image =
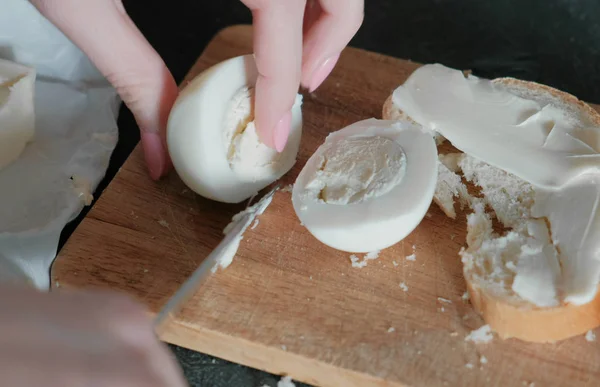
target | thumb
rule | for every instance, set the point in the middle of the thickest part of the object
(105, 33)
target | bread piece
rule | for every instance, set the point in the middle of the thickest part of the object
(511, 198)
(449, 187)
(490, 260)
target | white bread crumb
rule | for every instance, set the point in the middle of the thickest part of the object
(483, 359)
(444, 300)
(454, 334)
(412, 257)
(466, 296)
(590, 336)
(469, 366)
(163, 223)
(403, 286)
(481, 335)
(395, 263)
(391, 329)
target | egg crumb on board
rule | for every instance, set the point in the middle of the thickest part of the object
(481, 335)
(357, 263)
(368, 185)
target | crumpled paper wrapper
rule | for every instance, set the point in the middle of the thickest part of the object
(76, 131)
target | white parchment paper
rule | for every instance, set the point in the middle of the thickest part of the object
(76, 131)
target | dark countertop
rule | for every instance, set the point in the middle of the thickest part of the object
(556, 42)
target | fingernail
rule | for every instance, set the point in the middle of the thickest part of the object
(322, 72)
(282, 131)
(154, 154)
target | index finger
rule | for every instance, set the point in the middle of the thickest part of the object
(278, 55)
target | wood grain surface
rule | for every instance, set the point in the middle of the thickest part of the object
(290, 305)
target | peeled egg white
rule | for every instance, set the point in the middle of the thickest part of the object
(17, 115)
(212, 139)
(368, 185)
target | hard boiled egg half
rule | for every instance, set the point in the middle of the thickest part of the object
(368, 185)
(212, 139)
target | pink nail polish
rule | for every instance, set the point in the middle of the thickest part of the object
(282, 131)
(322, 72)
(154, 154)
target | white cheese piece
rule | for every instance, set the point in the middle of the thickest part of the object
(542, 144)
(574, 215)
(17, 116)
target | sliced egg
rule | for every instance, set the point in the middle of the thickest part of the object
(212, 138)
(17, 116)
(368, 186)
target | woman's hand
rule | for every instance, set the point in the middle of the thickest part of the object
(80, 339)
(105, 33)
(295, 42)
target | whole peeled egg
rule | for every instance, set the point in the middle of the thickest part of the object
(212, 139)
(368, 185)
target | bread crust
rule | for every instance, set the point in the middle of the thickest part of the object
(529, 323)
(567, 98)
(524, 320)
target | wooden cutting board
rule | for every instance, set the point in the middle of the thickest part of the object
(290, 305)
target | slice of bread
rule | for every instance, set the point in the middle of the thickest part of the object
(490, 258)
(450, 186)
